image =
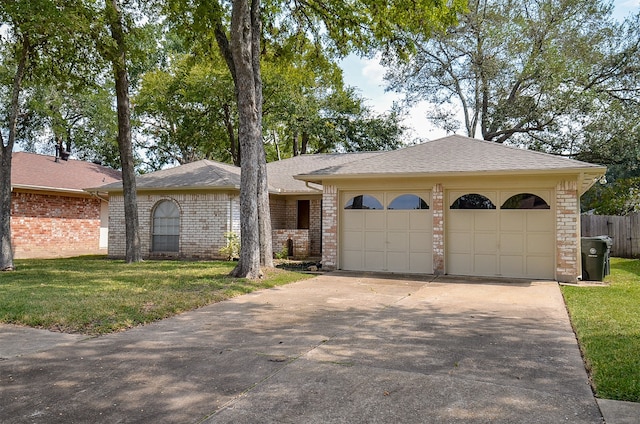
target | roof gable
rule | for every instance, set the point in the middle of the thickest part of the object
(42, 172)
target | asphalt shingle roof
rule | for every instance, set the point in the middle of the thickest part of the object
(201, 174)
(280, 173)
(449, 155)
(34, 171)
(453, 154)
(208, 174)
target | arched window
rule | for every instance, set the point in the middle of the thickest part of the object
(408, 202)
(166, 227)
(364, 201)
(472, 201)
(525, 201)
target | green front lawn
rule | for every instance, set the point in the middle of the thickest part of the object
(94, 295)
(607, 322)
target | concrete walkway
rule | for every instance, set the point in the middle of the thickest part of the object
(339, 348)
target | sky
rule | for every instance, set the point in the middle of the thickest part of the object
(367, 75)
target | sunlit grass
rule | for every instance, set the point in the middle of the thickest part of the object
(94, 295)
(607, 322)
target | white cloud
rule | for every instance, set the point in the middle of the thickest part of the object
(373, 71)
(624, 8)
(367, 75)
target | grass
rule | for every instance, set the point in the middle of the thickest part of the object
(607, 323)
(93, 295)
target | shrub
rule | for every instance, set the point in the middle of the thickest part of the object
(232, 249)
(283, 253)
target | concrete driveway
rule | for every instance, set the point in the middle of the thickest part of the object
(339, 348)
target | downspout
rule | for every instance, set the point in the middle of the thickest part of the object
(230, 221)
(97, 195)
(306, 183)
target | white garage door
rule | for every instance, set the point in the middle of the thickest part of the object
(513, 237)
(386, 231)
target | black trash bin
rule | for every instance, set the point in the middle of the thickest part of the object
(595, 257)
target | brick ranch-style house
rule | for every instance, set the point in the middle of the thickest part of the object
(51, 214)
(455, 205)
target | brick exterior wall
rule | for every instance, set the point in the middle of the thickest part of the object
(48, 225)
(437, 208)
(568, 266)
(329, 227)
(204, 219)
(300, 239)
(278, 208)
(291, 214)
(315, 227)
(284, 216)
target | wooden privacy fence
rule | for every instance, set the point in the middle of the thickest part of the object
(624, 230)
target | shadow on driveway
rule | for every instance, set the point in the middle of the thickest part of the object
(336, 348)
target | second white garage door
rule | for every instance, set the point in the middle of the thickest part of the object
(386, 231)
(503, 234)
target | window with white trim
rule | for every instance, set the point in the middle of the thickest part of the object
(166, 227)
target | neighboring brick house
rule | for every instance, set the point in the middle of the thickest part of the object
(455, 205)
(51, 214)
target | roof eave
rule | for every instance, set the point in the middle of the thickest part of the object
(44, 188)
(576, 170)
(588, 179)
(587, 175)
(174, 188)
(297, 192)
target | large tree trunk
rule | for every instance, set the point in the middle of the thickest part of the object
(305, 143)
(250, 135)
(296, 149)
(133, 251)
(264, 211)
(6, 151)
(242, 55)
(6, 250)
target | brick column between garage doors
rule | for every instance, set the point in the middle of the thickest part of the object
(329, 227)
(437, 204)
(567, 231)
